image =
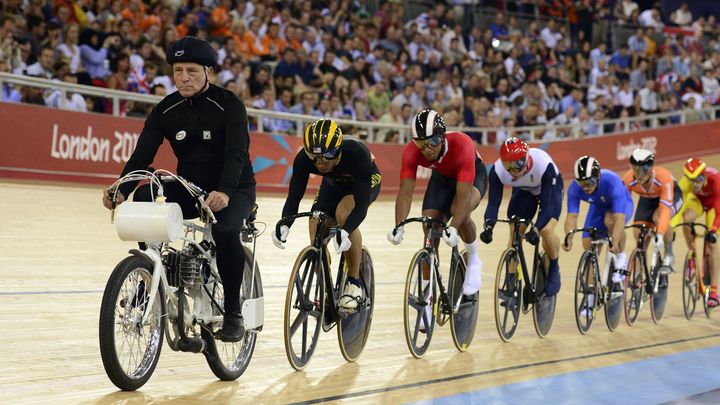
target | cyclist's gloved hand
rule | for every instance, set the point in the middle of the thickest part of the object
(711, 237)
(487, 235)
(395, 236)
(279, 240)
(342, 241)
(532, 236)
(450, 236)
(659, 242)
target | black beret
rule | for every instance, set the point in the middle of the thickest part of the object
(193, 50)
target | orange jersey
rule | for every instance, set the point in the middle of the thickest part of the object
(661, 186)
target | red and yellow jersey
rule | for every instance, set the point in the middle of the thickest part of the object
(662, 185)
(709, 195)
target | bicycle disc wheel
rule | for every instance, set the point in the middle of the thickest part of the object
(634, 287)
(690, 286)
(130, 349)
(613, 300)
(464, 308)
(304, 306)
(229, 360)
(508, 296)
(544, 309)
(584, 312)
(353, 331)
(419, 305)
(660, 294)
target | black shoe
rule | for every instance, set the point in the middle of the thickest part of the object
(232, 330)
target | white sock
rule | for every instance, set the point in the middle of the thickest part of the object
(621, 261)
(471, 248)
(591, 300)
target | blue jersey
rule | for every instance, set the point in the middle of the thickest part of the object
(611, 195)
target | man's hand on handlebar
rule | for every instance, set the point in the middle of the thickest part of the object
(217, 200)
(108, 202)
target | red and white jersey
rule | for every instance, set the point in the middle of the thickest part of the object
(457, 161)
(538, 161)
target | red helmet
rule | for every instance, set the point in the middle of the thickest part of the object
(694, 168)
(513, 149)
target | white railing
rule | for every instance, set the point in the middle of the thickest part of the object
(372, 128)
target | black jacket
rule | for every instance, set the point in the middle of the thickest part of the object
(209, 136)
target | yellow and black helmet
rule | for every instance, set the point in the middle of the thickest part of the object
(323, 139)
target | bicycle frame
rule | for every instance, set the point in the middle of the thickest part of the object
(432, 237)
(645, 232)
(517, 237)
(320, 243)
(706, 256)
(596, 244)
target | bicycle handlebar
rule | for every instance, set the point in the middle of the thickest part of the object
(516, 221)
(644, 229)
(157, 178)
(315, 214)
(424, 220)
(594, 234)
(692, 226)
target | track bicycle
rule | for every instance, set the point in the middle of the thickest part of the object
(312, 301)
(173, 292)
(590, 282)
(426, 301)
(696, 276)
(644, 281)
(510, 294)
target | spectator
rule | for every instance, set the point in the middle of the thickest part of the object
(378, 99)
(93, 54)
(638, 77)
(9, 93)
(651, 18)
(69, 50)
(648, 98)
(69, 101)
(307, 104)
(624, 10)
(682, 16)
(43, 67)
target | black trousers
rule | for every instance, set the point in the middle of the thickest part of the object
(226, 232)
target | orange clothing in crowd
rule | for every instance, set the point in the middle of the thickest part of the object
(221, 20)
(246, 45)
(272, 46)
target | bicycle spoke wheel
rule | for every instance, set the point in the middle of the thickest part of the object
(464, 308)
(690, 286)
(353, 331)
(229, 360)
(419, 304)
(634, 288)
(584, 311)
(304, 304)
(544, 309)
(660, 292)
(614, 300)
(508, 297)
(706, 286)
(130, 349)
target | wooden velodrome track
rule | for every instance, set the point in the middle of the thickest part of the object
(57, 248)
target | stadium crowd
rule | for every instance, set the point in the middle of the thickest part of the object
(345, 59)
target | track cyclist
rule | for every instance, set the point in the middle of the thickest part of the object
(456, 186)
(207, 128)
(700, 186)
(536, 182)
(611, 207)
(659, 203)
(351, 181)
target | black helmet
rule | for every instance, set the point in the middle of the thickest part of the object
(323, 139)
(642, 157)
(587, 167)
(193, 50)
(428, 124)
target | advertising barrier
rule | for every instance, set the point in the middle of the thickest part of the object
(42, 143)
